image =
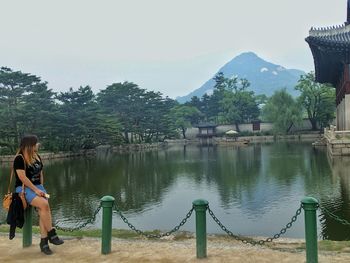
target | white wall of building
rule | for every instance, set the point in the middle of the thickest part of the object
(347, 112)
(191, 133)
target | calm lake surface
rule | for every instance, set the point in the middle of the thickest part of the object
(253, 190)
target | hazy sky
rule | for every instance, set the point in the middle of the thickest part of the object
(167, 46)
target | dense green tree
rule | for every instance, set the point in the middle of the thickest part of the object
(77, 119)
(82, 124)
(165, 126)
(143, 115)
(205, 108)
(239, 106)
(39, 112)
(196, 102)
(13, 87)
(261, 99)
(125, 102)
(214, 103)
(317, 99)
(184, 117)
(283, 111)
(230, 102)
(155, 125)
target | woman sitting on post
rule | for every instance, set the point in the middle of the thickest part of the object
(28, 170)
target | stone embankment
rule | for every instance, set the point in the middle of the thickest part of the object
(294, 137)
(49, 156)
(255, 139)
(338, 142)
(125, 148)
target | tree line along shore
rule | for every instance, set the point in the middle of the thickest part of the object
(124, 113)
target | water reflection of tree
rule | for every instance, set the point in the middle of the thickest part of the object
(244, 174)
(338, 201)
(236, 172)
(249, 176)
(135, 180)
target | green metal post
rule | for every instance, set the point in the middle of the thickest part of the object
(107, 203)
(200, 206)
(310, 206)
(27, 227)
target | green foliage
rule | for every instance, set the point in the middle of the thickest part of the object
(251, 133)
(261, 99)
(68, 121)
(214, 102)
(82, 123)
(123, 112)
(283, 111)
(15, 88)
(230, 102)
(40, 114)
(317, 99)
(124, 101)
(184, 117)
(239, 107)
(143, 115)
(77, 119)
(237, 104)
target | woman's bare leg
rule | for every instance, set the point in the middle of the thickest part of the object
(43, 230)
(44, 214)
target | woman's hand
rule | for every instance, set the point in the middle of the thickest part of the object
(39, 193)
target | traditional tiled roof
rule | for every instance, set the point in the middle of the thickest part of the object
(330, 48)
(334, 37)
(206, 125)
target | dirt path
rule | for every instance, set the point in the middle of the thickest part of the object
(219, 250)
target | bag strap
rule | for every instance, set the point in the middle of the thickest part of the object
(12, 173)
(8, 189)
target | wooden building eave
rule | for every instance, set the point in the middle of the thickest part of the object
(330, 48)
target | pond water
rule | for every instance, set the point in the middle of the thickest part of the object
(254, 190)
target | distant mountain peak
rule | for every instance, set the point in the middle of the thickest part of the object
(264, 77)
(248, 54)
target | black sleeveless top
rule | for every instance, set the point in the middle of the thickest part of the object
(33, 171)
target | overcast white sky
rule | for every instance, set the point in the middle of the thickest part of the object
(162, 45)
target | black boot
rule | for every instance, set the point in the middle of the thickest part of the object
(53, 238)
(44, 246)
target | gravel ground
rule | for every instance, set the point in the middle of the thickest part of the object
(165, 250)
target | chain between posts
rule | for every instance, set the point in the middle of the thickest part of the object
(140, 232)
(250, 241)
(335, 217)
(89, 221)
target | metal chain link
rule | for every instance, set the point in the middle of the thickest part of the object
(335, 217)
(140, 232)
(253, 242)
(89, 221)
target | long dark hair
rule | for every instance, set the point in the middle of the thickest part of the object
(26, 147)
